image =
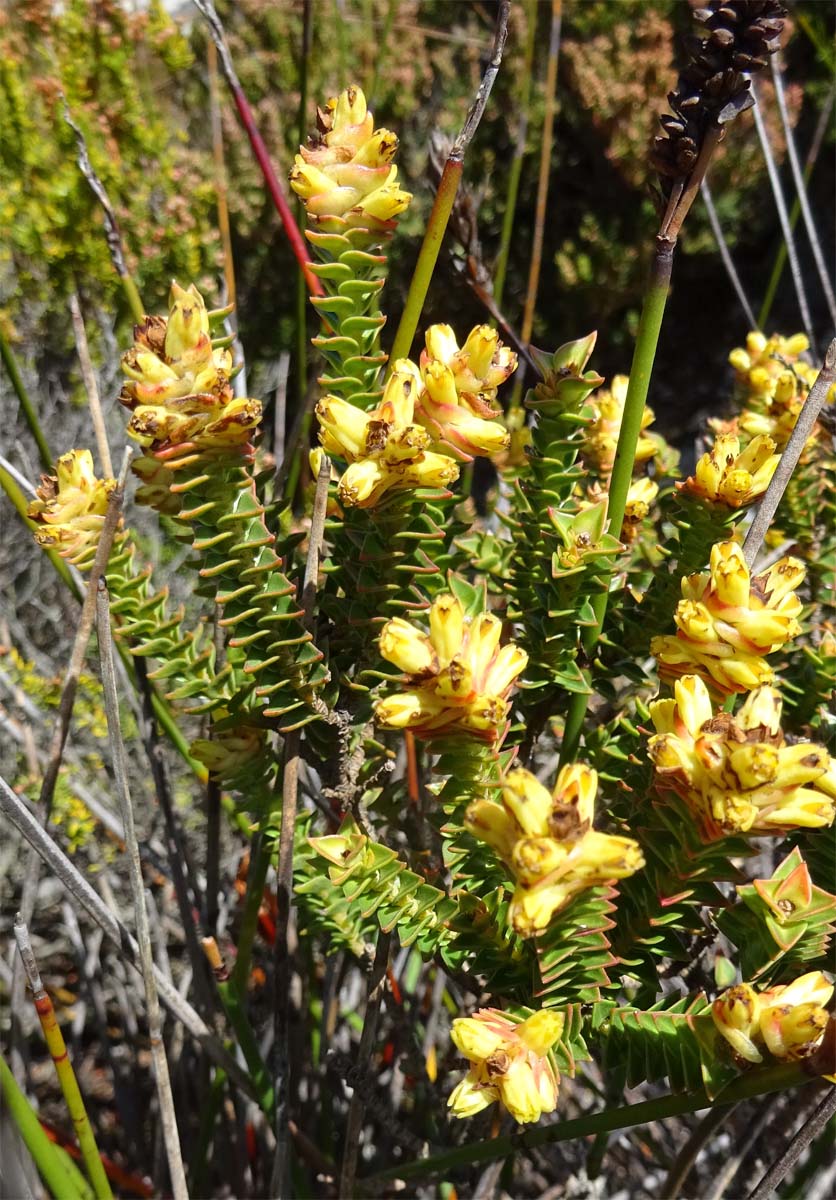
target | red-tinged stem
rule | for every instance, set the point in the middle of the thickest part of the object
(297, 242)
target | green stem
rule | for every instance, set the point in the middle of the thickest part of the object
(517, 161)
(208, 1117)
(57, 1170)
(26, 405)
(644, 354)
(231, 999)
(256, 879)
(63, 1067)
(755, 1083)
(442, 207)
(133, 297)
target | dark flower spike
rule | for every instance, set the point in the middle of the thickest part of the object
(736, 39)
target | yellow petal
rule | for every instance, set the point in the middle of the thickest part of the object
(470, 1097)
(541, 1030)
(446, 627)
(493, 825)
(476, 1039)
(406, 647)
(529, 802)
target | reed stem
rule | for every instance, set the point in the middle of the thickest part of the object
(822, 127)
(754, 1083)
(259, 148)
(220, 170)
(354, 1124)
(792, 452)
(725, 255)
(515, 170)
(57, 1170)
(544, 173)
(445, 197)
(784, 218)
(801, 189)
(231, 1000)
(63, 1066)
(19, 815)
(26, 405)
(644, 354)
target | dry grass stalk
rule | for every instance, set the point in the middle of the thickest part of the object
(90, 386)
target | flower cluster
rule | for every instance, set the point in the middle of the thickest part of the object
(728, 621)
(457, 403)
(600, 436)
(774, 381)
(70, 508)
(760, 364)
(788, 1020)
(182, 404)
(460, 678)
(346, 176)
(736, 772)
(509, 1062)
(547, 841)
(387, 451)
(444, 407)
(731, 477)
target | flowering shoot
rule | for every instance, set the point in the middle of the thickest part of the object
(547, 841)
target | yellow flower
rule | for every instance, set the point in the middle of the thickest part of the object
(385, 448)
(460, 678)
(735, 772)
(452, 422)
(547, 841)
(725, 475)
(763, 359)
(70, 508)
(345, 176)
(774, 381)
(640, 497)
(601, 434)
(509, 1063)
(788, 1020)
(727, 622)
(178, 391)
(478, 368)
(735, 1016)
(793, 1017)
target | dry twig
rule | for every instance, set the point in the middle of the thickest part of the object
(19, 814)
(90, 386)
(783, 217)
(801, 187)
(809, 1131)
(798, 439)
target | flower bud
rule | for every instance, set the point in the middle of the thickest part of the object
(735, 1015)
